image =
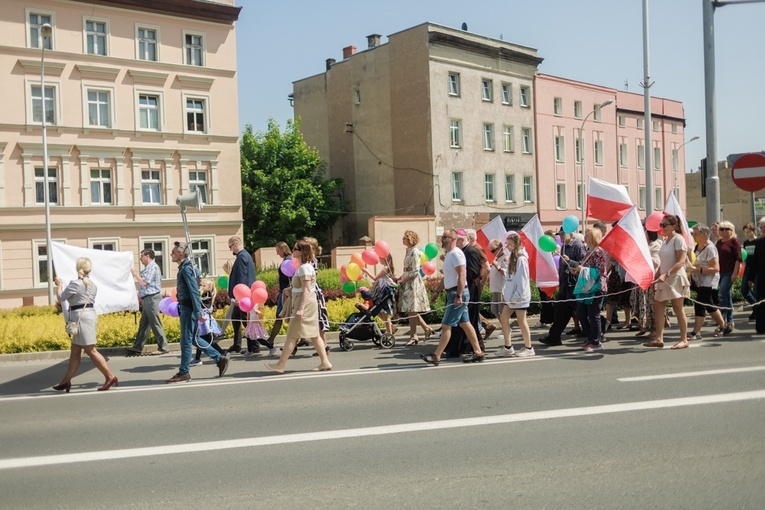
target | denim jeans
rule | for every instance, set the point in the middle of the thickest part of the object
(745, 290)
(589, 318)
(189, 328)
(724, 296)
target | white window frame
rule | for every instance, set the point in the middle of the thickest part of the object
(528, 189)
(656, 125)
(160, 109)
(53, 199)
(357, 96)
(150, 181)
(508, 138)
(558, 106)
(597, 113)
(622, 121)
(640, 155)
(196, 253)
(195, 183)
(560, 195)
(458, 188)
(674, 128)
(453, 84)
(510, 188)
(578, 149)
(164, 252)
(658, 197)
(203, 48)
(623, 155)
(86, 89)
(455, 127)
(56, 99)
(489, 187)
(100, 181)
(36, 41)
(138, 39)
(488, 136)
(95, 242)
(487, 90)
(527, 142)
(525, 96)
(86, 34)
(597, 151)
(639, 123)
(507, 93)
(579, 195)
(657, 158)
(641, 197)
(207, 109)
(560, 149)
(675, 159)
(36, 244)
(577, 109)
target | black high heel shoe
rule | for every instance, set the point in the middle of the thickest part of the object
(63, 387)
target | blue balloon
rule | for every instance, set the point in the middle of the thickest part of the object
(570, 224)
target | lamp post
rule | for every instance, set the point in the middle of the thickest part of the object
(674, 173)
(582, 151)
(45, 31)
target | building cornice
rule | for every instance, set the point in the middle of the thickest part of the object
(193, 9)
(161, 135)
(480, 48)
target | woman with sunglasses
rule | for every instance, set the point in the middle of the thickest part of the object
(729, 250)
(671, 282)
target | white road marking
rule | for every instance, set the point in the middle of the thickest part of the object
(196, 447)
(691, 374)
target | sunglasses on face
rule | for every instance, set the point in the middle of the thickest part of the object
(723, 228)
(664, 224)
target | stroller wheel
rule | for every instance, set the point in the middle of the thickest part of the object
(388, 341)
(376, 341)
(346, 345)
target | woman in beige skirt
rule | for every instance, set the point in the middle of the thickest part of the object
(304, 321)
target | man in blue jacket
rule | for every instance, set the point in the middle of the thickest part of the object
(190, 311)
(243, 271)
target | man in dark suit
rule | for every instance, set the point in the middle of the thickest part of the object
(756, 263)
(243, 271)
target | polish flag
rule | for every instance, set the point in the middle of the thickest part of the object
(626, 243)
(495, 229)
(606, 201)
(542, 268)
(673, 207)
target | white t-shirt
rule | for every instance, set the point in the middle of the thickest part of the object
(703, 257)
(668, 252)
(454, 259)
(303, 273)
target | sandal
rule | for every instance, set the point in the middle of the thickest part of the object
(641, 332)
(413, 340)
(682, 344)
(474, 358)
(428, 333)
(430, 358)
(654, 344)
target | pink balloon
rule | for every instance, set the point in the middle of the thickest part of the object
(370, 257)
(257, 284)
(342, 271)
(246, 304)
(428, 268)
(241, 291)
(382, 249)
(259, 296)
(288, 269)
(295, 262)
(652, 222)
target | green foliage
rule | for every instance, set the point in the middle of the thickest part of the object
(284, 194)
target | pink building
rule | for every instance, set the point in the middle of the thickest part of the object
(613, 145)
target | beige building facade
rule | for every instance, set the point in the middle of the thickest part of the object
(436, 121)
(140, 102)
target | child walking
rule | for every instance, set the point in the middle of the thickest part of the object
(208, 326)
(257, 335)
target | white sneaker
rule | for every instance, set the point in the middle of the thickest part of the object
(525, 353)
(247, 354)
(504, 352)
(195, 363)
(276, 351)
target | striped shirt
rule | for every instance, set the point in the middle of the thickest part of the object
(153, 278)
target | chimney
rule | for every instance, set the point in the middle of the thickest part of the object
(373, 41)
(330, 63)
(348, 51)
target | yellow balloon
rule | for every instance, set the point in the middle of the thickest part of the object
(353, 271)
(423, 258)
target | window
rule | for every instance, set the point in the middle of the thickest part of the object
(640, 123)
(560, 195)
(201, 254)
(509, 188)
(195, 115)
(99, 108)
(457, 187)
(95, 37)
(198, 181)
(676, 191)
(641, 197)
(151, 186)
(147, 43)
(194, 49)
(356, 96)
(656, 125)
(658, 198)
(578, 149)
(101, 186)
(579, 196)
(489, 185)
(104, 245)
(455, 133)
(47, 104)
(641, 155)
(508, 138)
(36, 21)
(675, 159)
(597, 115)
(158, 247)
(557, 106)
(454, 84)
(507, 93)
(623, 155)
(525, 97)
(598, 149)
(560, 150)
(486, 90)
(657, 158)
(40, 186)
(41, 255)
(577, 109)
(622, 121)
(148, 112)
(488, 137)
(527, 191)
(674, 128)
(526, 140)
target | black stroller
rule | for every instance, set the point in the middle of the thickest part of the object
(362, 326)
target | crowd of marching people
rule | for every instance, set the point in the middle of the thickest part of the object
(593, 286)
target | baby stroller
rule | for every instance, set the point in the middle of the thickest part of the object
(362, 326)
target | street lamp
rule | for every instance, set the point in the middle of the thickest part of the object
(674, 172)
(45, 31)
(581, 154)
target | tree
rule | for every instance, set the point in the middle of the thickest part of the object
(284, 193)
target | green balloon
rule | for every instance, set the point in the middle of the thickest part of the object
(547, 243)
(223, 282)
(743, 254)
(349, 287)
(431, 251)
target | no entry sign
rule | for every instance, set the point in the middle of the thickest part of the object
(749, 172)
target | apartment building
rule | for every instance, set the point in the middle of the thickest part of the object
(435, 121)
(140, 102)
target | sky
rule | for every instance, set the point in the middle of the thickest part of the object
(595, 41)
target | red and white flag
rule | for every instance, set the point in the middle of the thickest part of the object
(542, 268)
(606, 201)
(626, 243)
(495, 229)
(673, 207)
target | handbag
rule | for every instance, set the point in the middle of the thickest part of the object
(73, 327)
(286, 305)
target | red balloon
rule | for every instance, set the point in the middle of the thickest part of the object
(382, 249)
(342, 271)
(173, 293)
(652, 222)
(295, 262)
(370, 257)
(259, 296)
(241, 291)
(741, 268)
(257, 284)
(428, 268)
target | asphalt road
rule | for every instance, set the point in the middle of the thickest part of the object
(628, 427)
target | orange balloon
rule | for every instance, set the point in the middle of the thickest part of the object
(173, 294)
(357, 259)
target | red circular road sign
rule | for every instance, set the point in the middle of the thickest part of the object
(749, 172)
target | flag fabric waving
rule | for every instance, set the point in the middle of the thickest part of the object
(541, 265)
(495, 229)
(673, 207)
(606, 201)
(626, 243)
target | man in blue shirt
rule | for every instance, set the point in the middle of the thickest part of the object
(190, 309)
(149, 288)
(243, 271)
